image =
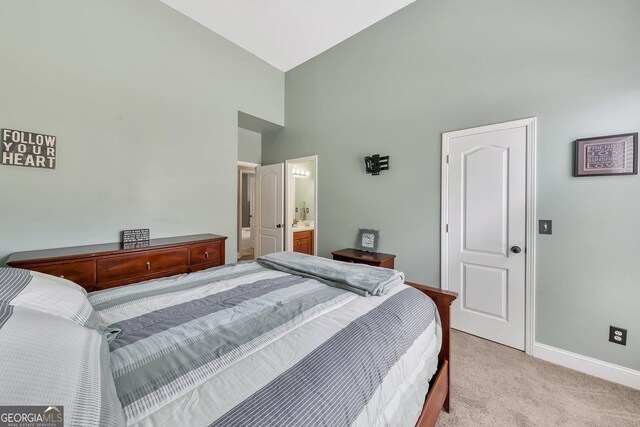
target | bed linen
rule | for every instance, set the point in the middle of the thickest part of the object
(49, 355)
(246, 345)
(43, 292)
(47, 360)
(362, 279)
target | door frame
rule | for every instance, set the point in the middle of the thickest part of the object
(530, 216)
(243, 167)
(288, 201)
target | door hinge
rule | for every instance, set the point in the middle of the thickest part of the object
(446, 228)
(447, 159)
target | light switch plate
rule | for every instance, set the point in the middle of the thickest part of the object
(544, 226)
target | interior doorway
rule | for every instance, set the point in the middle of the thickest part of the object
(301, 205)
(265, 192)
(246, 211)
(488, 205)
(286, 202)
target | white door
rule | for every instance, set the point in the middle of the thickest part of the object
(269, 209)
(484, 248)
(252, 209)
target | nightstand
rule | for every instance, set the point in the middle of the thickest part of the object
(376, 259)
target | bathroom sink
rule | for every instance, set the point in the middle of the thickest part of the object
(302, 227)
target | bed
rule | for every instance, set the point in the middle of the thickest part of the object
(263, 344)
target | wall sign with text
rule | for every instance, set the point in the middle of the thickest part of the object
(607, 155)
(135, 235)
(21, 148)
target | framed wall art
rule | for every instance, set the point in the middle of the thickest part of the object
(606, 155)
(367, 240)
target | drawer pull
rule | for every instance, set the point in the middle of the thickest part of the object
(206, 255)
(148, 265)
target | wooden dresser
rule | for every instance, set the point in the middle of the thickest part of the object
(103, 266)
(376, 259)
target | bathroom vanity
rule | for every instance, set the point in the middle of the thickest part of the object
(303, 240)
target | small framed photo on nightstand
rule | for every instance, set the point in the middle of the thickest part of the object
(367, 240)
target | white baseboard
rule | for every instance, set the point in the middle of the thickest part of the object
(588, 365)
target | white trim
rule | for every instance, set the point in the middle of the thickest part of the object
(588, 365)
(289, 191)
(248, 164)
(530, 251)
(444, 214)
(530, 279)
(288, 244)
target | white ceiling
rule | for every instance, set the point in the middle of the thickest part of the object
(286, 33)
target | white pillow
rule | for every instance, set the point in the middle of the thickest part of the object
(50, 294)
(47, 360)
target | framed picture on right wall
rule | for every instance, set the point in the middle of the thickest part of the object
(606, 155)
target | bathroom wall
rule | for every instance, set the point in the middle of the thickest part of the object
(305, 189)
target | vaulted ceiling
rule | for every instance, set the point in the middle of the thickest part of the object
(286, 33)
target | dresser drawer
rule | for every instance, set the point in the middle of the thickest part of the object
(376, 259)
(205, 253)
(129, 267)
(356, 261)
(81, 272)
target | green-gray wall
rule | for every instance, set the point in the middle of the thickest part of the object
(144, 103)
(438, 66)
(249, 146)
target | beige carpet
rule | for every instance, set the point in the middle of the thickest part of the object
(494, 385)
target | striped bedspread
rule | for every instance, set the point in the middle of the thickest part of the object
(243, 345)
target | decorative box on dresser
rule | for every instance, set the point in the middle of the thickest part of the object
(377, 259)
(103, 266)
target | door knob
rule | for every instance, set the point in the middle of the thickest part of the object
(516, 249)
(279, 226)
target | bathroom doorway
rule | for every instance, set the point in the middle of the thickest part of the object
(301, 204)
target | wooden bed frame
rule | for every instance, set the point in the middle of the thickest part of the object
(438, 395)
(135, 264)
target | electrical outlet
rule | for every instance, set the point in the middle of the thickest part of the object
(618, 335)
(544, 226)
